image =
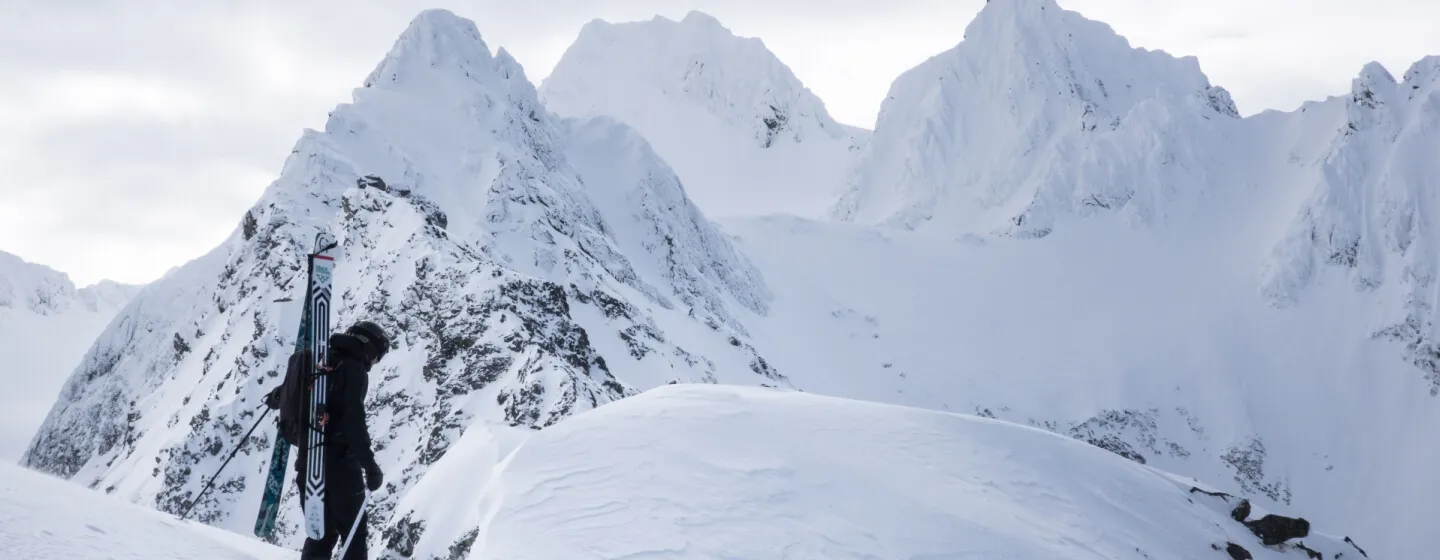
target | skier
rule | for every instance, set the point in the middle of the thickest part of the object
(348, 452)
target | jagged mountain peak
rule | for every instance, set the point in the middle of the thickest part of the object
(616, 68)
(437, 43)
(1026, 121)
(39, 289)
(739, 128)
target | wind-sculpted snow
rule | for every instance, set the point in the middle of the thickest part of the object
(730, 472)
(517, 290)
(741, 131)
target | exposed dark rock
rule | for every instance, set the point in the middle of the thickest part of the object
(1241, 512)
(1275, 529)
(1312, 553)
(1235, 551)
(1357, 547)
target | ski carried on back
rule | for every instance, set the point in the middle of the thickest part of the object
(310, 323)
(322, 264)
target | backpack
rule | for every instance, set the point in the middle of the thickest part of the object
(292, 397)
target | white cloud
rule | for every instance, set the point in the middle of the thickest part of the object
(139, 131)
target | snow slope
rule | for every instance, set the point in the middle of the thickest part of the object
(742, 132)
(46, 324)
(528, 267)
(729, 472)
(44, 518)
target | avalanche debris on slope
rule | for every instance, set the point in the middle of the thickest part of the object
(711, 472)
(743, 134)
(515, 290)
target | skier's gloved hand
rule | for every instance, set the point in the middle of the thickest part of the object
(272, 399)
(373, 477)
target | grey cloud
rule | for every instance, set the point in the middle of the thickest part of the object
(161, 184)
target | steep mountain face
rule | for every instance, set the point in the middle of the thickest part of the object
(46, 323)
(741, 130)
(1038, 114)
(527, 267)
(1366, 164)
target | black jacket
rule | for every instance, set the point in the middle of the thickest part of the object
(347, 433)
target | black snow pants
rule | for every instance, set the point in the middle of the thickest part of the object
(344, 493)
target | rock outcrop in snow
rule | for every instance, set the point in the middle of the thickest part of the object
(1038, 114)
(528, 268)
(743, 133)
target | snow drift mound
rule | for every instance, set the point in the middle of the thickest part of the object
(46, 324)
(741, 130)
(694, 471)
(45, 518)
(1038, 114)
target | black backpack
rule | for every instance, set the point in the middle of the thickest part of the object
(292, 397)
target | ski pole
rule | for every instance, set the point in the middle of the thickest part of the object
(355, 525)
(222, 465)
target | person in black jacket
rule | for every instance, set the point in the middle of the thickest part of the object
(348, 452)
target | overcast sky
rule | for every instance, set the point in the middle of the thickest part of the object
(137, 132)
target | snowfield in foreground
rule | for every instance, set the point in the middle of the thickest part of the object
(705, 471)
(46, 518)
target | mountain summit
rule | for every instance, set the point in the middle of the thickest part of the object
(1037, 114)
(743, 133)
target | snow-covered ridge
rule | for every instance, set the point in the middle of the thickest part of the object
(705, 471)
(528, 268)
(39, 289)
(741, 130)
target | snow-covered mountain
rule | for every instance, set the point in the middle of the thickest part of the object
(46, 324)
(728, 472)
(44, 518)
(1247, 302)
(1037, 114)
(743, 133)
(1105, 249)
(523, 264)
